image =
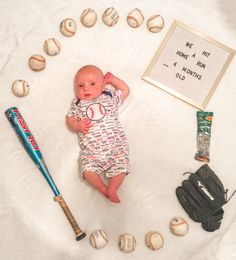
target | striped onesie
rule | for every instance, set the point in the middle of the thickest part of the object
(105, 147)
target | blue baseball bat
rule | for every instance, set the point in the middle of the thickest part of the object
(26, 138)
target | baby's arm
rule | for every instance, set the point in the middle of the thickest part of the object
(77, 125)
(117, 83)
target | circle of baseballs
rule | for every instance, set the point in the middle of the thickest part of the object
(98, 239)
(155, 23)
(88, 17)
(52, 46)
(135, 18)
(179, 226)
(37, 62)
(95, 111)
(20, 88)
(154, 240)
(68, 27)
(110, 16)
(127, 243)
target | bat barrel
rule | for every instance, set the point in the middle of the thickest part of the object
(28, 141)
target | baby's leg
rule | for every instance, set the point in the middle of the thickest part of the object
(113, 186)
(96, 182)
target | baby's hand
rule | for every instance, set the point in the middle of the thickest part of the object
(108, 77)
(83, 125)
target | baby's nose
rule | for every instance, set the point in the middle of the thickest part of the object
(86, 87)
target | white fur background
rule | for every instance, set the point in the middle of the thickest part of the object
(161, 131)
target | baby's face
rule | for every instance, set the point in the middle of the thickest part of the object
(89, 84)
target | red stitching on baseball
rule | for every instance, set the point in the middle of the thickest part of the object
(101, 109)
(92, 112)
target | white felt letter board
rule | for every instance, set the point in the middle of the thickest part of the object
(189, 65)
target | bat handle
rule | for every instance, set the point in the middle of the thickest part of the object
(78, 232)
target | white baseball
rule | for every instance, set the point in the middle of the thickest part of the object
(135, 18)
(37, 62)
(20, 88)
(110, 17)
(127, 243)
(52, 47)
(88, 17)
(179, 226)
(95, 111)
(155, 23)
(154, 240)
(98, 239)
(68, 27)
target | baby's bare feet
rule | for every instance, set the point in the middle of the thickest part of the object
(113, 196)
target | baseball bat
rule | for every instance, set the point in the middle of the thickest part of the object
(31, 147)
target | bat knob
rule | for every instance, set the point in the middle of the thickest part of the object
(80, 236)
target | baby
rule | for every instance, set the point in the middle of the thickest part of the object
(94, 116)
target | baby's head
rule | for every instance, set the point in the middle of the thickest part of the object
(89, 82)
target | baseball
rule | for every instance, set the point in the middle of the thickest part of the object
(98, 239)
(20, 88)
(37, 62)
(68, 27)
(110, 16)
(135, 18)
(88, 17)
(127, 243)
(179, 226)
(155, 23)
(52, 47)
(95, 111)
(154, 240)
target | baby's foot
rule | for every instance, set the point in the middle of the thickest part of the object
(113, 196)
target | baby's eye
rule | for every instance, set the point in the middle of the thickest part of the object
(80, 85)
(93, 83)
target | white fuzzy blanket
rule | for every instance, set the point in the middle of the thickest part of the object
(161, 131)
